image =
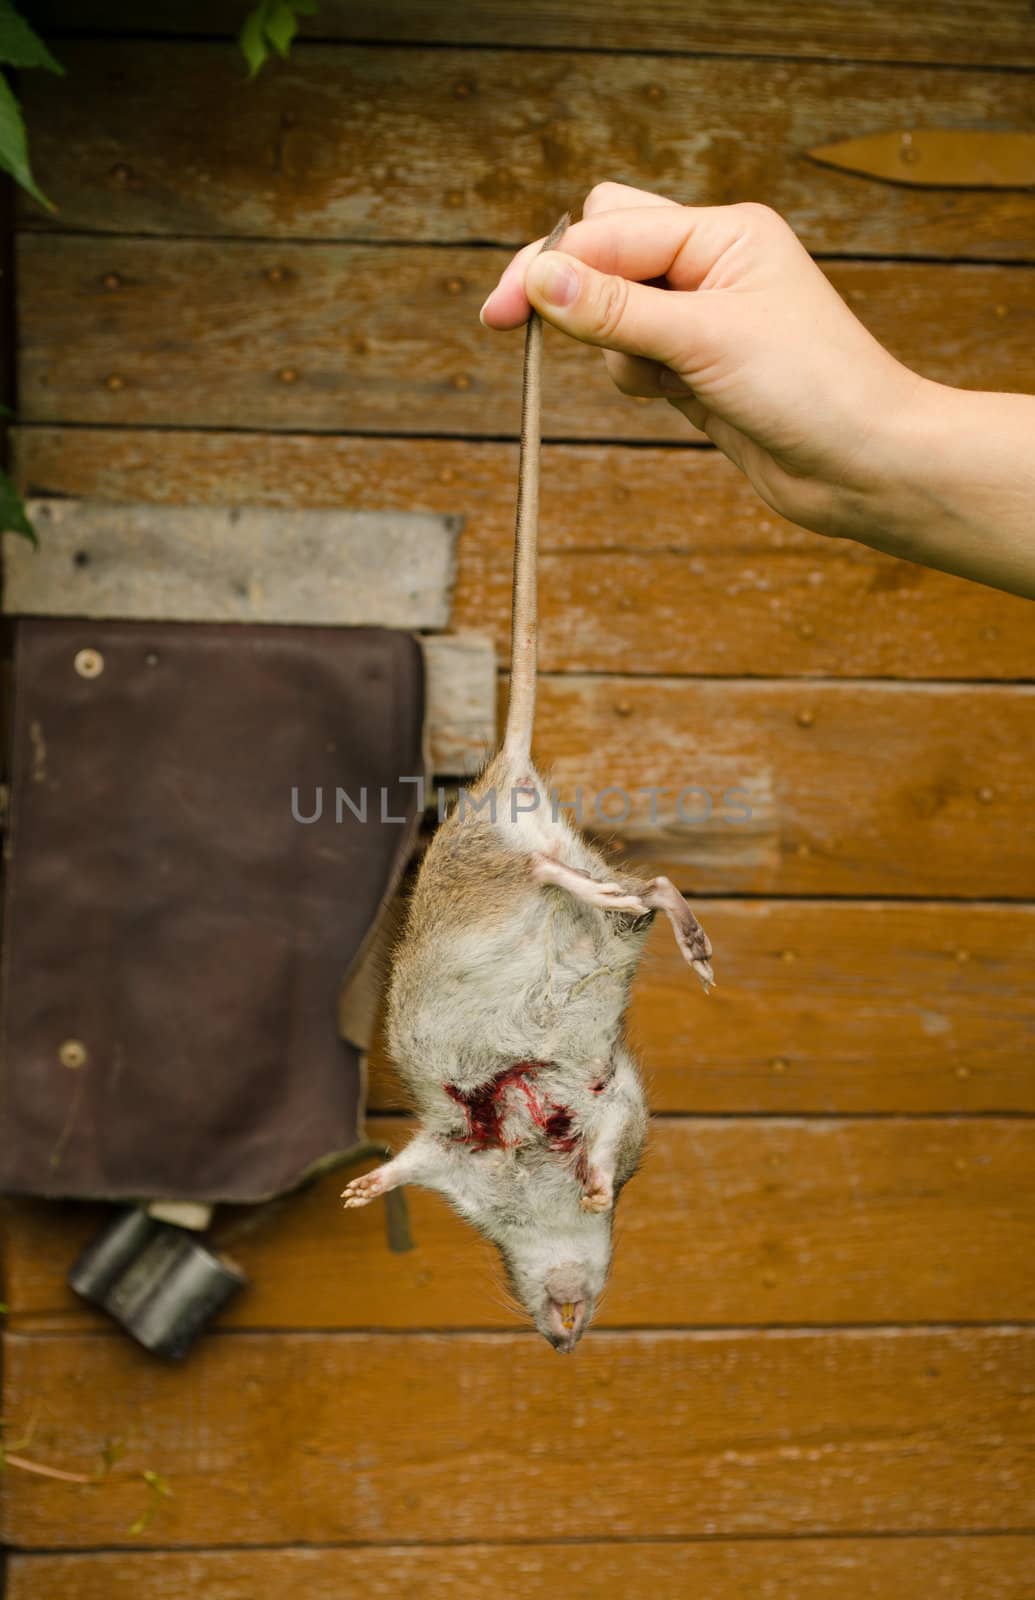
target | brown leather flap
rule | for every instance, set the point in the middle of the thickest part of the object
(175, 937)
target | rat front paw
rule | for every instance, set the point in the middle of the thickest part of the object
(598, 1193)
(362, 1190)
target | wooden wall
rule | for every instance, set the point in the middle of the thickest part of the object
(813, 1375)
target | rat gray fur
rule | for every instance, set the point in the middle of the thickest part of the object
(508, 995)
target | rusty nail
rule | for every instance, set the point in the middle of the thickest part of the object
(623, 708)
(460, 380)
(114, 381)
(805, 719)
(275, 275)
(454, 198)
(788, 955)
(907, 152)
(655, 92)
(963, 1072)
(778, 1064)
(287, 375)
(462, 89)
(986, 795)
(111, 280)
(72, 1053)
(121, 173)
(454, 285)
(806, 630)
(88, 663)
(1000, 311)
(962, 956)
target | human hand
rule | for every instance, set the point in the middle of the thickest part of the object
(721, 311)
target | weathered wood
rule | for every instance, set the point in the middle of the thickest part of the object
(740, 1222)
(832, 1007)
(653, 561)
(990, 1567)
(275, 1438)
(386, 339)
(460, 693)
(450, 144)
(199, 563)
(772, 788)
(985, 31)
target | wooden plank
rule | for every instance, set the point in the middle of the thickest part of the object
(766, 788)
(990, 1567)
(195, 334)
(460, 694)
(621, 529)
(826, 1006)
(491, 145)
(986, 31)
(742, 1222)
(326, 1438)
(199, 563)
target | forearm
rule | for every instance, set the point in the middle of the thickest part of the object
(953, 487)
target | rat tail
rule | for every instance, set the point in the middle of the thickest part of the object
(524, 638)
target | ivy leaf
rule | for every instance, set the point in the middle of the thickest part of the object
(271, 22)
(281, 27)
(14, 152)
(13, 517)
(20, 46)
(252, 39)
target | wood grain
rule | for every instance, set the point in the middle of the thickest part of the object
(276, 1438)
(386, 339)
(242, 564)
(653, 560)
(492, 145)
(993, 1567)
(986, 31)
(768, 788)
(743, 1222)
(829, 1007)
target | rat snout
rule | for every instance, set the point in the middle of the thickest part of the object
(565, 1322)
(568, 1307)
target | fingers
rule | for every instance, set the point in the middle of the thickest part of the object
(620, 196)
(507, 305)
(608, 309)
(633, 234)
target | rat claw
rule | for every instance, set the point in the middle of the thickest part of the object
(360, 1191)
(598, 1194)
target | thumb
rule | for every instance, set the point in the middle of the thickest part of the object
(603, 309)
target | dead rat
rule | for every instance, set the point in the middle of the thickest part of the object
(508, 993)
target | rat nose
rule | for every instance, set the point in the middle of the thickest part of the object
(565, 1320)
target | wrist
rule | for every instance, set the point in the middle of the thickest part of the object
(950, 483)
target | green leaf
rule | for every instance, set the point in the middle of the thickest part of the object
(252, 39)
(14, 153)
(281, 27)
(20, 46)
(271, 22)
(12, 515)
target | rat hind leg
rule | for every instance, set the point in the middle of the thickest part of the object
(605, 896)
(661, 894)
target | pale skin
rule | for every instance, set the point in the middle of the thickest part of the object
(721, 312)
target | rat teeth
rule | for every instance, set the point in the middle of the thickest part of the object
(568, 1315)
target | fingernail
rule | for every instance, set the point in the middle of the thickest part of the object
(481, 314)
(556, 281)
